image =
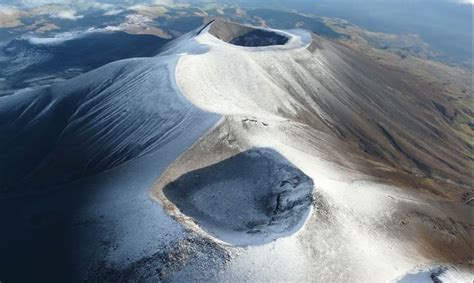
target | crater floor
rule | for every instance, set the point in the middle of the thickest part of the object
(251, 198)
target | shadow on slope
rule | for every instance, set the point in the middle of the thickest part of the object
(77, 160)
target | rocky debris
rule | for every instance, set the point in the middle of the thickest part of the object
(164, 264)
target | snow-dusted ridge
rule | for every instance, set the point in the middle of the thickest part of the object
(102, 119)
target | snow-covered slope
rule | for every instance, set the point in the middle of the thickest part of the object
(326, 86)
(369, 138)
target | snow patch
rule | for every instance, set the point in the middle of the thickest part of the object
(66, 15)
(57, 39)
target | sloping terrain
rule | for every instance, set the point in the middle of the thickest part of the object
(295, 160)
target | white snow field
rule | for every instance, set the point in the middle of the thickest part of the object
(284, 157)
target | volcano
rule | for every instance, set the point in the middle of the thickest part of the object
(237, 153)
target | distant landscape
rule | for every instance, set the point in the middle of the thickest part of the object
(236, 141)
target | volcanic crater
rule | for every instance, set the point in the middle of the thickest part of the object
(245, 35)
(251, 198)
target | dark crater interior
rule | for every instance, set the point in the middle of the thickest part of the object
(255, 196)
(245, 36)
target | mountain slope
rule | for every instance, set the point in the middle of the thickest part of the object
(326, 86)
(386, 164)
